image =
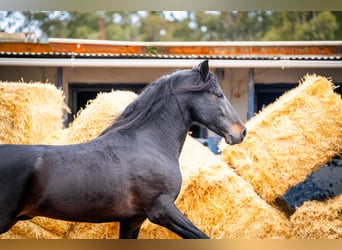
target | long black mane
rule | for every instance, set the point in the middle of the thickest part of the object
(155, 96)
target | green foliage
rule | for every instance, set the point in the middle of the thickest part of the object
(177, 26)
(304, 26)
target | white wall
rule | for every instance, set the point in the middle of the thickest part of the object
(35, 74)
(235, 82)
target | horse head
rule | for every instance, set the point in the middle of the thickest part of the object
(212, 109)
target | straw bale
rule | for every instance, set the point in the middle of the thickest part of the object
(29, 112)
(318, 220)
(289, 139)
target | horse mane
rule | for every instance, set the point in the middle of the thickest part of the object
(154, 97)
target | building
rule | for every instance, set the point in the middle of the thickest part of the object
(252, 73)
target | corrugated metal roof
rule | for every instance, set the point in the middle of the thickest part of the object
(75, 48)
(98, 53)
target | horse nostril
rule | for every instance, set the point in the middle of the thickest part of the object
(244, 132)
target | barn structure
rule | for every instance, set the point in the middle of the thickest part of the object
(253, 74)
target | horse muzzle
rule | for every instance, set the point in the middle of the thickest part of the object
(236, 134)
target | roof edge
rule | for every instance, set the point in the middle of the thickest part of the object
(196, 43)
(165, 63)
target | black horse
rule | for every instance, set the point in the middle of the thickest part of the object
(127, 174)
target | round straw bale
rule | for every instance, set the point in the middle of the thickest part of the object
(318, 220)
(289, 139)
(29, 112)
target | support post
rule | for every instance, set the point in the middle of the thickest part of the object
(251, 90)
(60, 77)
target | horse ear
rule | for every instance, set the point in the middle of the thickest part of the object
(204, 69)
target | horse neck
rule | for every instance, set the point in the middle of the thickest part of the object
(170, 127)
(167, 130)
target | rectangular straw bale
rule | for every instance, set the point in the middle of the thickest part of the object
(318, 220)
(29, 112)
(289, 139)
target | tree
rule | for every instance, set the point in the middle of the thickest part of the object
(170, 26)
(302, 26)
(338, 31)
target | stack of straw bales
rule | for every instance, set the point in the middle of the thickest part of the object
(289, 139)
(29, 112)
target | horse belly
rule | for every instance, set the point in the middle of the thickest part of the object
(82, 190)
(86, 206)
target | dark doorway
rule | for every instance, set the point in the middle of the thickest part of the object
(81, 93)
(267, 93)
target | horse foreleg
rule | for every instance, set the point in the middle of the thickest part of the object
(165, 213)
(130, 229)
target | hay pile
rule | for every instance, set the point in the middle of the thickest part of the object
(318, 220)
(29, 112)
(289, 139)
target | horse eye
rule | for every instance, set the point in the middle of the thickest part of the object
(219, 95)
